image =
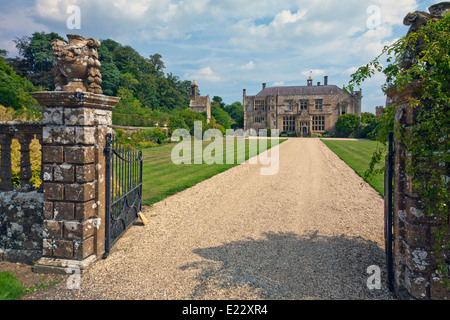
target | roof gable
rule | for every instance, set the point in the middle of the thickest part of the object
(293, 90)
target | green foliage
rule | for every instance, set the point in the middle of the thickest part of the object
(141, 139)
(421, 60)
(367, 117)
(11, 289)
(348, 123)
(36, 58)
(220, 115)
(15, 91)
(236, 112)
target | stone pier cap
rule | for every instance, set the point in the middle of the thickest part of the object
(75, 99)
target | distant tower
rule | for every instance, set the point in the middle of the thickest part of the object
(194, 90)
(199, 103)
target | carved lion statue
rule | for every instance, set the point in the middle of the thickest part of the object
(77, 68)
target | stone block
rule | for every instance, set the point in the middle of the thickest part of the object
(48, 210)
(52, 229)
(58, 135)
(47, 247)
(419, 260)
(64, 210)
(85, 210)
(79, 116)
(47, 172)
(53, 191)
(418, 235)
(79, 154)
(52, 154)
(80, 192)
(416, 284)
(85, 135)
(84, 248)
(53, 116)
(64, 173)
(63, 249)
(78, 230)
(85, 173)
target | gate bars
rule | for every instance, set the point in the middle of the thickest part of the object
(388, 216)
(123, 190)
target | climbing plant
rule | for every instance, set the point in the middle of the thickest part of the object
(421, 60)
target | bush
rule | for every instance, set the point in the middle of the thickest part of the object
(348, 123)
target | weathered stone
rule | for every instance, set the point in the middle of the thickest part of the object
(52, 229)
(416, 284)
(80, 192)
(64, 210)
(48, 210)
(64, 173)
(78, 230)
(85, 173)
(84, 248)
(85, 135)
(52, 154)
(79, 116)
(79, 154)
(63, 249)
(85, 210)
(53, 191)
(53, 116)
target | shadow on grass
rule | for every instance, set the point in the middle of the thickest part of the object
(289, 266)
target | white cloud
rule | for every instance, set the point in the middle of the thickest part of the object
(248, 66)
(206, 74)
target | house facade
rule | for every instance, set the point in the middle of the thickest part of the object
(304, 110)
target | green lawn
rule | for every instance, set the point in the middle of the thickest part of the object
(358, 154)
(162, 178)
(10, 288)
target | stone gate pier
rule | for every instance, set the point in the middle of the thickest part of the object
(75, 125)
(62, 224)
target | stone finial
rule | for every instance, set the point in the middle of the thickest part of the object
(416, 20)
(76, 64)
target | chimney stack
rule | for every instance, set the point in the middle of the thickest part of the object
(263, 86)
(325, 80)
(318, 83)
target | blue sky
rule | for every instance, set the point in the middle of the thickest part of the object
(229, 45)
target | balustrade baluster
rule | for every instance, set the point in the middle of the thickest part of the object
(25, 163)
(5, 163)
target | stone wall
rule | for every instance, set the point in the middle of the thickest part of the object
(21, 226)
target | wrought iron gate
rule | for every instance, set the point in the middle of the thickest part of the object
(123, 190)
(388, 216)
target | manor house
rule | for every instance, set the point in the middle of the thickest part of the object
(304, 110)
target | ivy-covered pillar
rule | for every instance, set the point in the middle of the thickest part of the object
(415, 265)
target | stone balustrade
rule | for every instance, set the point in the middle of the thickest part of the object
(24, 132)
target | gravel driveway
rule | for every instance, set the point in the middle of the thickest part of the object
(308, 232)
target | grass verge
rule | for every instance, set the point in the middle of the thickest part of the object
(10, 287)
(357, 155)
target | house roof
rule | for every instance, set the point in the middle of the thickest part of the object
(292, 90)
(199, 101)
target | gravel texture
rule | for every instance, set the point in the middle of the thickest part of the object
(308, 232)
